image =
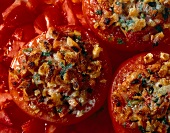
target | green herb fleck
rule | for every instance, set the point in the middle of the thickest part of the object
(158, 104)
(131, 103)
(164, 120)
(121, 20)
(66, 97)
(120, 41)
(139, 76)
(59, 110)
(64, 69)
(36, 78)
(144, 82)
(117, 3)
(78, 37)
(42, 61)
(156, 99)
(140, 6)
(142, 15)
(98, 12)
(45, 53)
(151, 89)
(49, 62)
(149, 71)
(28, 50)
(129, 22)
(141, 129)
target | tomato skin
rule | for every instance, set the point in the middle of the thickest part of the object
(4, 119)
(5, 4)
(100, 119)
(24, 33)
(5, 34)
(49, 14)
(69, 14)
(6, 129)
(18, 16)
(46, 18)
(31, 126)
(40, 24)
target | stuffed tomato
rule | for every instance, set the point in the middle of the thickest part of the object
(140, 94)
(61, 76)
(129, 25)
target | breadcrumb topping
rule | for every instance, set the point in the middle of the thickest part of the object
(58, 73)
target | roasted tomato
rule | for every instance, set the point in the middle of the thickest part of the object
(128, 25)
(62, 76)
(140, 94)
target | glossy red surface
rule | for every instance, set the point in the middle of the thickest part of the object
(19, 23)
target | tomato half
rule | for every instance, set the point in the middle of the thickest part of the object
(128, 25)
(61, 76)
(139, 98)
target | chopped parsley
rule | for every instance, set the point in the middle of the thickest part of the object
(98, 12)
(139, 76)
(36, 78)
(49, 62)
(149, 71)
(65, 69)
(59, 110)
(131, 103)
(129, 22)
(141, 128)
(117, 3)
(65, 97)
(120, 41)
(46, 53)
(156, 99)
(144, 83)
(142, 15)
(28, 50)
